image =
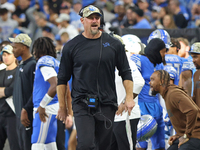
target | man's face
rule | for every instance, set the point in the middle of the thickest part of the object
(196, 60)
(91, 23)
(8, 58)
(17, 49)
(155, 83)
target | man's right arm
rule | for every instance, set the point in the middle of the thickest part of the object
(61, 93)
(64, 74)
(186, 81)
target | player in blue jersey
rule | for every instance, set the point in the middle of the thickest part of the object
(188, 68)
(172, 58)
(149, 104)
(45, 100)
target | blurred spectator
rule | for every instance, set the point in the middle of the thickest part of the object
(155, 16)
(46, 9)
(120, 14)
(74, 15)
(20, 13)
(108, 11)
(163, 11)
(64, 37)
(179, 18)
(58, 47)
(130, 21)
(9, 6)
(142, 22)
(7, 25)
(160, 3)
(54, 5)
(63, 20)
(65, 10)
(168, 22)
(47, 32)
(196, 14)
(143, 4)
(38, 21)
(128, 3)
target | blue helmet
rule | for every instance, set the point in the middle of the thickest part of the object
(161, 34)
(146, 127)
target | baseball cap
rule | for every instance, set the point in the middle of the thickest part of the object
(89, 10)
(63, 17)
(8, 49)
(21, 38)
(195, 48)
(139, 12)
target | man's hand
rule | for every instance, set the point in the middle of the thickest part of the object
(172, 139)
(42, 114)
(121, 108)
(69, 122)
(24, 118)
(182, 140)
(129, 104)
(62, 114)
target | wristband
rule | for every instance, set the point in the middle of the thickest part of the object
(46, 100)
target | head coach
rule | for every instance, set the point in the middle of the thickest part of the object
(91, 59)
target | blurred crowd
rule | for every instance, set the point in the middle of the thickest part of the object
(60, 20)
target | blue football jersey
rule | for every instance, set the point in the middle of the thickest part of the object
(146, 68)
(176, 62)
(40, 85)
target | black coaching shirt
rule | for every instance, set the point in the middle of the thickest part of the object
(92, 64)
(7, 81)
(23, 87)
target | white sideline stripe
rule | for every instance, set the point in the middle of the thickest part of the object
(44, 129)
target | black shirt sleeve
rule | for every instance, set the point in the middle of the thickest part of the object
(122, 64)
(65, 68)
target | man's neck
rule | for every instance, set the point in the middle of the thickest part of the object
(26, 56)
(90, 36)
(162, 90)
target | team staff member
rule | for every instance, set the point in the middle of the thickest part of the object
(195, 53)
(91, 58)
(183, 112)
(7, 117)
(120, 138)
(23, 88)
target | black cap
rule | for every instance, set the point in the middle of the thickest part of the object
(139, 12)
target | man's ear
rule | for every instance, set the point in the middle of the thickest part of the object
(82, 20)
